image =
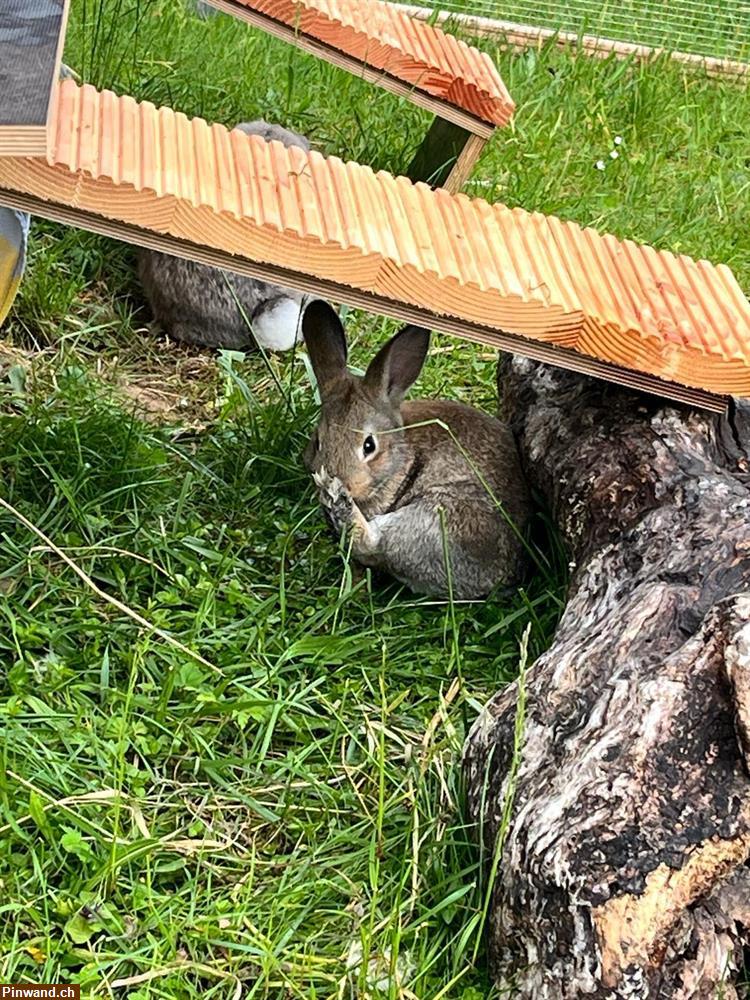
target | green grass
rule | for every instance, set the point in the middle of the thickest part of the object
(264, 817)
(283, 808)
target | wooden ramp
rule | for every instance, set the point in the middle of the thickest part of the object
(519, 281)
(383, 44)
(459, 82)
(31, 42)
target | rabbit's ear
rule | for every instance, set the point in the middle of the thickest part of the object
(396, 366)
(325, 342)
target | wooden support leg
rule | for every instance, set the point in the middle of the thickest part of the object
(447, 156)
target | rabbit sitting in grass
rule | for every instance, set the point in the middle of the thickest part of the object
(197, 304)
(412, 481)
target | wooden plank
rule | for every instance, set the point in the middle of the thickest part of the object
(32, 33)
(358, 299)
(411, 91)
(384, 36)
(526, 36)
(464, 164)
(547, 287)
(446, 156)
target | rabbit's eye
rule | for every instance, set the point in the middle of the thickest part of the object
(369, 446)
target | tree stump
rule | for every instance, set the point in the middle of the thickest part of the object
(623, 869)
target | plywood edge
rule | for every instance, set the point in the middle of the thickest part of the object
(23, 140)
(561, 356)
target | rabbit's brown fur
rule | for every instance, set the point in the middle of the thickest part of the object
(438, 474)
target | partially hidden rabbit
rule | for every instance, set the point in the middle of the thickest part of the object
(412, 481)
(201, 9)
(198, 304)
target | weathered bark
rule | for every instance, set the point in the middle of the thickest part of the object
(623, 870)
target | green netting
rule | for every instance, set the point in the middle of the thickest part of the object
(706, 27)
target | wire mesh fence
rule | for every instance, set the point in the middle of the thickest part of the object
(719, 28)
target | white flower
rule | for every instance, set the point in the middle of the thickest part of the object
(618, 140)
(614, 154)
(601, 165)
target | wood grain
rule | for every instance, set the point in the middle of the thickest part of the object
(523, 281)
(356, 298)
(380, 43)
(465, 163)
(31, 40)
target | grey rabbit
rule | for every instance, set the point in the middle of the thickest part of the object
(403, 486)
(194, 303)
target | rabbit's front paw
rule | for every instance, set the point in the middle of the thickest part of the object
(365, 535)
(334, 498)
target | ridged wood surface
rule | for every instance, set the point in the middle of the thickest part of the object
(653, 312)
(381, 35)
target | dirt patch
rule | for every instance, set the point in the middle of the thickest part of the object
(166, 382)
(169, 387)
